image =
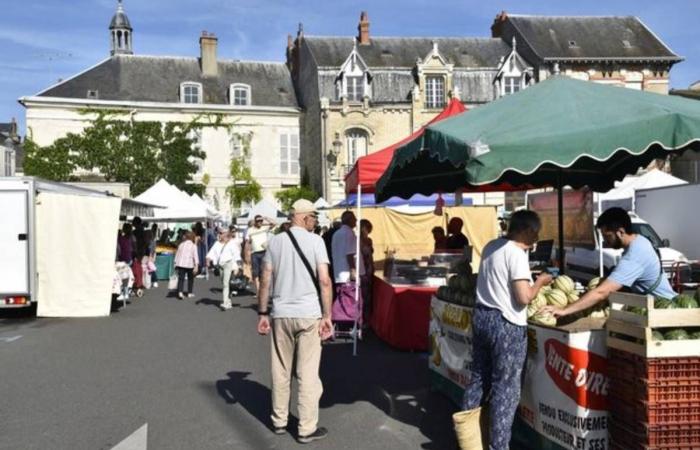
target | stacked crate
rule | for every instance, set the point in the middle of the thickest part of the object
(654, 392)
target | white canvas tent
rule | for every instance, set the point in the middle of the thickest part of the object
(177, 205)
(622, 195)
(264, 208)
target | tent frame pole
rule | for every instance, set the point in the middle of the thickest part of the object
(560, 214)
(358, 255)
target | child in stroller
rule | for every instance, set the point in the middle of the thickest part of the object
(123, 283)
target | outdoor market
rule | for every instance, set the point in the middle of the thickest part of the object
(429, 240)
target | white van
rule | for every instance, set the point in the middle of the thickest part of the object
(583, 263)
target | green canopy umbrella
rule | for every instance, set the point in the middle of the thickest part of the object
(558, 132)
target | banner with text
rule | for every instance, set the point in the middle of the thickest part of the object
(450, 340)
(565, 389)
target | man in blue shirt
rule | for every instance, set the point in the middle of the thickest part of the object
(639, 268)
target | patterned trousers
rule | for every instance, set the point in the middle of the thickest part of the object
(498, 356)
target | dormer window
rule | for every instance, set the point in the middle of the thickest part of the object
(353, 82)
(434, 92)
(356, 88)
(191, 92)
(511, 84)
(240, 94)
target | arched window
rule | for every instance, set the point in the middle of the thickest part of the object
(240, 94)
(356, 144)
(191, 92)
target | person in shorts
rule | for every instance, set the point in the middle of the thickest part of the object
(257, 238)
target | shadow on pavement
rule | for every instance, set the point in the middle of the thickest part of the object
(393, 381)
(251, 395)
(396, 383)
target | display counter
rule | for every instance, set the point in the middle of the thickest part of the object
(401, 313)
(563, 402)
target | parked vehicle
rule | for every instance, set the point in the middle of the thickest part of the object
(38, 229)
(583, 262)
(672, 211)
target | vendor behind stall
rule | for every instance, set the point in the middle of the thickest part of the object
(639, 268)
(456, 240)
(440, 239)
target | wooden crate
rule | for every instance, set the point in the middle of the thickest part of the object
(655, 318)
(638, 327)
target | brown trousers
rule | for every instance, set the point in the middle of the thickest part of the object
(300, 337)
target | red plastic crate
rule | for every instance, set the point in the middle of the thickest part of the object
(625, 366)
(653, 413)
(656, 436)
(659, 391)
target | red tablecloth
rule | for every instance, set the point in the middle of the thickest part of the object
(401, 314)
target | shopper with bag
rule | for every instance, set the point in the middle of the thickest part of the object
(296, 282)
(186, 264)
(499, 335)
(347, 270)
(224, 257)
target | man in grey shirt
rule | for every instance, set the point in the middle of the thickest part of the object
(299, 323)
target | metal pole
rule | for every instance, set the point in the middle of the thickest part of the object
(560, 210)
(357, 267)
(600, 239)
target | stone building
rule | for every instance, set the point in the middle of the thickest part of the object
(258, 98)
(361, 93)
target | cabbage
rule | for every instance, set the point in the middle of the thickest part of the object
(657, 336)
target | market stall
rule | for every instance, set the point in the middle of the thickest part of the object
(412, 272)
(176, 207)
(586, 135)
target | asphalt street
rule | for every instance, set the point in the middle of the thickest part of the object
(199, 378)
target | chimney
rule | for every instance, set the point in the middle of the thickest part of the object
(13, 128)
(363, 29)
(207, 60)
(497, 26)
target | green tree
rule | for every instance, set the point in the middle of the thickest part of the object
(243, 188)
(288, 196)
(135, 152)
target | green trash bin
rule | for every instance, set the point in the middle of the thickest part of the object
(165, 265)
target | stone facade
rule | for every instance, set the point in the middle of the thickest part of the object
(361, 94)
(256, 98)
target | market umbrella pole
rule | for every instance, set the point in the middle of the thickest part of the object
(355, 329)
(560, 213)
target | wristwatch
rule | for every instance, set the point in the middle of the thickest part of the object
(264, 313)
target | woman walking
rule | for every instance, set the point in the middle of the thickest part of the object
(186, 264)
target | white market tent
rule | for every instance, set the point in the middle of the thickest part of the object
(622, 195)
(177, 205)
(264, 208)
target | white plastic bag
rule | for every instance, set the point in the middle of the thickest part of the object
(172, 283)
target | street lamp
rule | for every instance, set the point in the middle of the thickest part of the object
(332, 155)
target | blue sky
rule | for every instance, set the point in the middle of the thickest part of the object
(44, 40)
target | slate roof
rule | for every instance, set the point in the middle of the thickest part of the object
(570, 37)
(404, 51)
(158, 79)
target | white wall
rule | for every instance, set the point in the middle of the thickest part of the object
(48, 122)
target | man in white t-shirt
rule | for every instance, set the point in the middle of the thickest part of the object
(344, 249)
(499, 325)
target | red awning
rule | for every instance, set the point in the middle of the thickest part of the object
(368, 169)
